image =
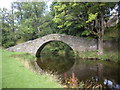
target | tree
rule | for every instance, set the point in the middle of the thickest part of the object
(8, 29)
(29, 19)
(23, 22)
(87, 17)
(96, 20)
(70, 17)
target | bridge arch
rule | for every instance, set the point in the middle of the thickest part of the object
(45, 43)
(76, 43)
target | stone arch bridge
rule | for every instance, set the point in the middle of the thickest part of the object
(35, 46)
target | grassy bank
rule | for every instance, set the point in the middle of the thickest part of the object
(111, 56)
(16, 75)
(0, 69)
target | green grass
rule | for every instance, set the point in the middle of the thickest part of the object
(113, 56)
(0, 69)
(23, 56)
(15, 75)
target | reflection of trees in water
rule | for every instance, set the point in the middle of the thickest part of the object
(100, 71)
(61, 59)
(58, 64)
(56, 56)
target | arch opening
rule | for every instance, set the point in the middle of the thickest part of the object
(55, 56)
(44, 44)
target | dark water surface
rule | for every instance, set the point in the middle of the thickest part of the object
(56, 64)
(104, 72)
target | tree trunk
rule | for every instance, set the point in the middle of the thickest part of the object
(101, 36)
(100, 46)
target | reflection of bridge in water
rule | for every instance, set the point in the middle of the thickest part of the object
(35, 46)
(82, 70)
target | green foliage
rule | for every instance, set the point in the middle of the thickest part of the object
(76, 18)
(27, 21)
(69, 17)
(95, 16)
(57, 46)
(8, 39)
(86, 32)
(111, 33)
(92, 17)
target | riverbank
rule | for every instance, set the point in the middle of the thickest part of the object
(19, 72)
(16, 74)
(92, 55)
(110, 52)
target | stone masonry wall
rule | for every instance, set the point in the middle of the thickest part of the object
(76, 43)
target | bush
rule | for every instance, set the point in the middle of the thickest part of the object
(8, 44)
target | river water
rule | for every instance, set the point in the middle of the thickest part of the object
(104, 72)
